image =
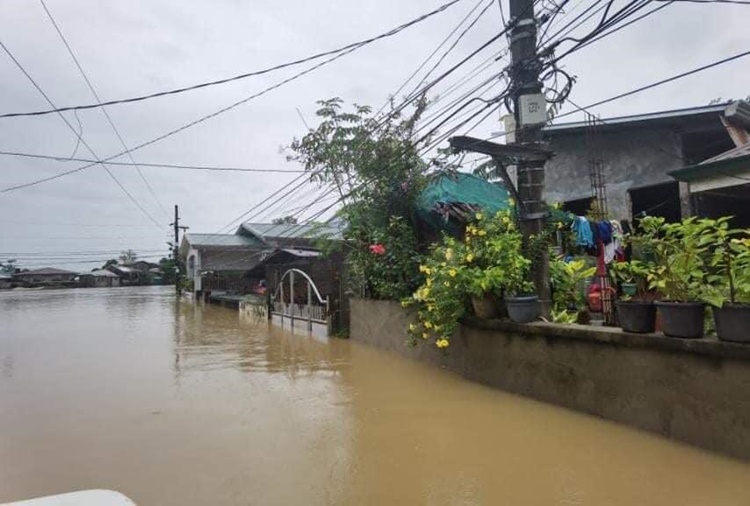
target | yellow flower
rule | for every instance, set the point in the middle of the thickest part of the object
(443, 264)
(428, 281)
(412, 327)
(506, 220)
(511, 202)
(481, 232)
(479, 216)
(437, 328)
(449, 254)
(430, 307)
(425, 335)
(442, 343)
(470, 257)
(422, 268)
(452, 273)
(427, 325)
(447, 284)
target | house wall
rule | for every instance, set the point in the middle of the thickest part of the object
(694, 391)
(630, 159)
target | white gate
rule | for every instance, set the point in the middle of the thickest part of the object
(297, 305)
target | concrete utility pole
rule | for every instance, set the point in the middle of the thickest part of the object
(176, 246)
(530, 111)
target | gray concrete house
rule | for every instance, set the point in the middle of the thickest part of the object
(635, 156)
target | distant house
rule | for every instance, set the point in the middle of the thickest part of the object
(128, 276)
(101, 278)
(636, 156)
(141, 265)
(46, 277)
(236, 262)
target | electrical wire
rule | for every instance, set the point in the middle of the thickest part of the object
(144, 164)
(343, 49)
(212, 115)
(434, 52)
(49, 101)
(104, 109)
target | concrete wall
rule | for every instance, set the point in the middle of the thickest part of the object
(630, 159)
(696, 391)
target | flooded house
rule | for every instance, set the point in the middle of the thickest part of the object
(45, 277)
(99, 278)
(237, 262)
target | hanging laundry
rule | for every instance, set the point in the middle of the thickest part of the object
(582, 229)
(605, 231)
(614, 248)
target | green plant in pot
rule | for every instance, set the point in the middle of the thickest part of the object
(497, 247)
(568, 281)
(636, 312)
(679, 273)
(728, 288)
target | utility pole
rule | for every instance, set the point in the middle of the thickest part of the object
(530, 111)
(176, 247)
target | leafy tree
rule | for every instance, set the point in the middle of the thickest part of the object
(375, 167)
(170, 269)
(285, 220)
(9, 266)
(109, 262)
(128, 257)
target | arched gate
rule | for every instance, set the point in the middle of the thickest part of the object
(297, 305)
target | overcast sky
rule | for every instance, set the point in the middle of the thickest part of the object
(143, 46)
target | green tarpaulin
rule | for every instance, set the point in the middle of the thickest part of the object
(451, 199)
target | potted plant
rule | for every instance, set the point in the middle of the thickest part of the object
(728, 288)
(679, 273)
(568, 295)
(636, 313)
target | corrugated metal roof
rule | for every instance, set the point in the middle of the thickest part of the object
(291, 231)
(222, 240)
(728, 163)
(45, 271)
(101, 273)
(637, 118)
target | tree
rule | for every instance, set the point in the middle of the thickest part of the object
(285, 220)
(109, 262)
(375, 166)
(128, 257)
(170, 269)
(9, 266)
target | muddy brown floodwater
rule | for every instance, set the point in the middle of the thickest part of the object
(173, 403)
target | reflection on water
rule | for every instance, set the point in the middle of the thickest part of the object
(172, 402)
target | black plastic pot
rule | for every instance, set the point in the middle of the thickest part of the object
(523, 309)
(733, 322)
(637, 316)
(681, 319)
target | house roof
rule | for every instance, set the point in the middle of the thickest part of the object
(661, 118)
(270, 231)
(724, 164)
(46, 271)
(100, 273)
(222, 240)
(123, 269)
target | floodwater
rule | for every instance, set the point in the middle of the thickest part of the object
(173, 403)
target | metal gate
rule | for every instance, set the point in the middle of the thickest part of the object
(297, 305)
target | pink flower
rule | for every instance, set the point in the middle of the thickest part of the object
(377, 249)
